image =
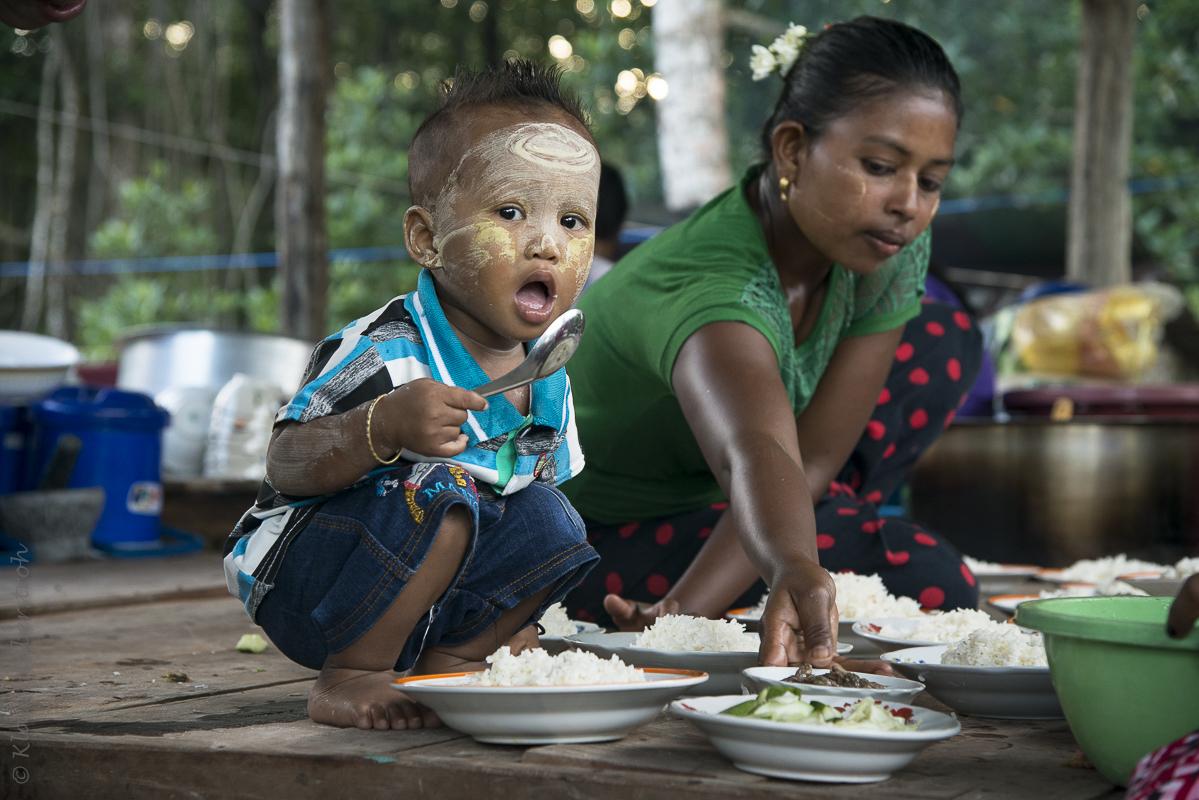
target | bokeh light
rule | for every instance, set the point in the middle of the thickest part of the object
(560, 48)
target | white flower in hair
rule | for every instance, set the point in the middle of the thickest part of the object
(761, 62)
(780, 55)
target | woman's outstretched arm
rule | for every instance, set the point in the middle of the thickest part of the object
(727, 381)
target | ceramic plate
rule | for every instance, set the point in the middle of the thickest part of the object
(724, 669)
(870, 629)
(557, 644)
(997, 692)
(548, 714)
(1153, 583)
(813, 752)
(895, 690)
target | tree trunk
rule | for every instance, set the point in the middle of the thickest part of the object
(97, 101)
(300, 192)
(31, 314)
(64, 183)
(1099, 242)
(692, 139)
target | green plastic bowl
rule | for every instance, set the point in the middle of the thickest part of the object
(1126, 687)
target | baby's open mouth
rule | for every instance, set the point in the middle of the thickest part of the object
(535, 294)
(535, 300)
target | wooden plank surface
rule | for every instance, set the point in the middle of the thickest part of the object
(239, 728)
(48, 588)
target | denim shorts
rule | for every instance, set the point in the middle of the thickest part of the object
(342, 572)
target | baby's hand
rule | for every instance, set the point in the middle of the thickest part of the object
(424, 417)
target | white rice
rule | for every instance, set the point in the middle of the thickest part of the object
(680, 632)
(1185, 567)
(1097, 570)
(948, 627)
(1109, 588)
(980, 567)
(556, 623)
(863, 597)
(536, 667)
(997, 645)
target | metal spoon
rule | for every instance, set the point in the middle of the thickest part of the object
(552, 350)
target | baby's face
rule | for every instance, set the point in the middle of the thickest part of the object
(514, 230)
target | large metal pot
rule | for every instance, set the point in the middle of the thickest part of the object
(1051, 493)
(158, 357)
(184, 367)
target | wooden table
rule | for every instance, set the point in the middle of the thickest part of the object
(102, 721)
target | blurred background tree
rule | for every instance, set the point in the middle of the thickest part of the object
(177, 101)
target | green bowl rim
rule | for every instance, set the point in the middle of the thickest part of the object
(1040, 615)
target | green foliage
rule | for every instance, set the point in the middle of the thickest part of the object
(371, 120)
(157, 220)
(1017, 62)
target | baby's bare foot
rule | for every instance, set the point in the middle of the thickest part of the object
(355, 698)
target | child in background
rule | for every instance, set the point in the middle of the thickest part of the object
(609, 217)
(406, 523)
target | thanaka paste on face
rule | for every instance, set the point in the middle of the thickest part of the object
(542, 146)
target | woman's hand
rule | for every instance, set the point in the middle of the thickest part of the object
(799, 624)
(1185, 609)
(871, 667)
(630, 615)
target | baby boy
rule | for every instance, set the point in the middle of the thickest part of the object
(406, 523)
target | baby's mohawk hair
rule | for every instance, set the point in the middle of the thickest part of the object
(518, 84)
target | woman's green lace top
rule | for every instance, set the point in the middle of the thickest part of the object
(853, 306)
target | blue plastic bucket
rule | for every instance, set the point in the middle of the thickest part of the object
(121, 435)
(13, 435)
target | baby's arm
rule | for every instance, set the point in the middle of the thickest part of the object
(331, 453)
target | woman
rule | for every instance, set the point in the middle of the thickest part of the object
(732, 363)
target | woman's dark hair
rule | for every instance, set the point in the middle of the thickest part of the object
(851, 62)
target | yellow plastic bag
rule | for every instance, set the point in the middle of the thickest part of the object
(1103, 333)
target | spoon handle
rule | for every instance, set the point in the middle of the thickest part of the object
(513, 380)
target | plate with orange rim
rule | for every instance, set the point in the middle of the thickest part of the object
(1008, 602)
(534, 715)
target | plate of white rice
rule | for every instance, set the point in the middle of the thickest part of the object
(721, 648)
(1165, 583)
(930, 629)
(1098, 570)
(859, 597)
(991, 569)
(558, 626)
(998, 671)
(536, 698)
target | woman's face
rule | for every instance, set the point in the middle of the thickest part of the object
(872, 182)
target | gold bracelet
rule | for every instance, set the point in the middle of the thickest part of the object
(369, 413)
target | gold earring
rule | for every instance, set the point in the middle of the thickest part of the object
(783, 184)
